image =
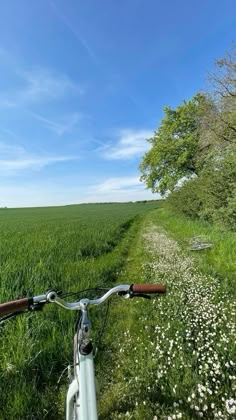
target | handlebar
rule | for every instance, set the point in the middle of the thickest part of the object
(15, 306)
(148, 288)
(21, 305)
(32, 303)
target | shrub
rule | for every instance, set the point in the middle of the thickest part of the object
(212, 195)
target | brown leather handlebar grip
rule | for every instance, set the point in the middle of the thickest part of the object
(148, 288)
(14, 306)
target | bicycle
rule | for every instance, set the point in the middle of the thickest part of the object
(81, 401)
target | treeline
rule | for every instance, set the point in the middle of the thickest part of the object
(192, 159)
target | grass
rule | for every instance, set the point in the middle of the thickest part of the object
(220, 261)
(168, 358)
(70, 248)
(173, 357)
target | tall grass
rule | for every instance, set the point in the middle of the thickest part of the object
(70, 248)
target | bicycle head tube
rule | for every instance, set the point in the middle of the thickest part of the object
(84, 339)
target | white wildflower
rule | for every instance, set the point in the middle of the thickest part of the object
(230, 406)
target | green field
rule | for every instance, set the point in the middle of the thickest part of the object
(70, 248)
(169, 358)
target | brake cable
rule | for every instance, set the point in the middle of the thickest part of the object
(9, 316)
(69, 294)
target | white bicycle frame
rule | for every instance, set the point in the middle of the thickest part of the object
(81, 396)
(81, 401)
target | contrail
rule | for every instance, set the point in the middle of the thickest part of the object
(92, 55)
(81, 40)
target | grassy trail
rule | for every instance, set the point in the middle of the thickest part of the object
(168, 358)
(173, 357)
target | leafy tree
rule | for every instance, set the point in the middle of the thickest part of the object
(193, 152)
(173, 154)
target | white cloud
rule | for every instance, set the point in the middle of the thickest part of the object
(16, 158)
(30, 163)
(64, 191)
(119, 189)
(39, 85)
(117, 184)
(131, 143)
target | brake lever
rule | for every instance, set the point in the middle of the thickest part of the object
(131, 295)
(134, 295)
(37, 306)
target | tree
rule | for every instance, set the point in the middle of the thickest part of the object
(196, 134)
(218, 123)
(223, 81)
(173, 155)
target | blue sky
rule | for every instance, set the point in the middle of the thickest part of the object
(83, 84)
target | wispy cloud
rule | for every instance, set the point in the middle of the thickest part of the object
(54, 191)
(119, 189)
(131, 144)
(65, 124)
(9, 133)
(30, 163)
(117, 184)
(39, 85)
(15, 158)
(62, 16)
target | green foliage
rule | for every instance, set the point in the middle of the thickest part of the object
(191, 205)
(230, 211)
(174, 146)
(193, 153)
(211, 196)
